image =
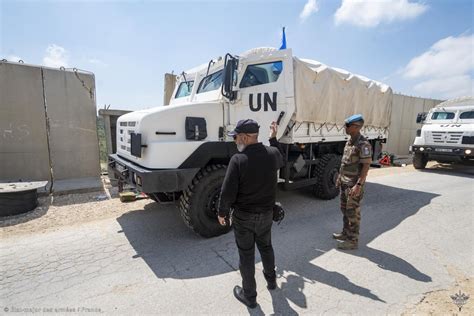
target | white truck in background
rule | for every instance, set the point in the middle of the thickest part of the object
(178, 153)
(447, 134)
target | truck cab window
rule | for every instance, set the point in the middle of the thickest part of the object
(442, 116)
(184, 89)
(261, 74)
(211, 82)
(467, 115)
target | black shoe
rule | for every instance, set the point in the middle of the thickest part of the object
(239, 294)
(271, 280)
(272, 285)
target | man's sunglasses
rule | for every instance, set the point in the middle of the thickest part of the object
(235, 136)
(350, 124)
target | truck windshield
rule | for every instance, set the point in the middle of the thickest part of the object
(442, 116)
(467, 115)
(211, 82)
(184, 89)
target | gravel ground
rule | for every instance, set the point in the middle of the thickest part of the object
(56, 212)
(440, 303)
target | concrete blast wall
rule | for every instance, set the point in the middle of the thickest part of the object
(170, 84)
(23, 138)
(110, 124)
(403, 124)
(33, 98)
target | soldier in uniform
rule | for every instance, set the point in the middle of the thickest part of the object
(353, 173)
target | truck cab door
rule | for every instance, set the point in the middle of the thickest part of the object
(264, 91)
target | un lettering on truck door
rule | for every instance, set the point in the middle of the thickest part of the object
(269, 102)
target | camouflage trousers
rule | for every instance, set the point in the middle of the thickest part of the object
(350, 208)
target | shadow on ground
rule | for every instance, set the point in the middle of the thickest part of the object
(171, 250)
(454, 169)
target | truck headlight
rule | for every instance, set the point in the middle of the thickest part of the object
(422, 149)
(467, 151)
(138, 179)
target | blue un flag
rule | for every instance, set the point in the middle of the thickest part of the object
(283, 40)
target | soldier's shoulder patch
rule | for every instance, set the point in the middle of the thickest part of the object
(365, 149)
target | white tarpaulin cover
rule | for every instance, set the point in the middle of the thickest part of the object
(329, 95)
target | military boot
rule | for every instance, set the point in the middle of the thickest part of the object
(339, 236)
(347, 245)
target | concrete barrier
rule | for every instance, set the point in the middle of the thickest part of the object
(110, 125)
(403, 124)
(70, 98)
(23, 137)
(47, 124)
(170, 84)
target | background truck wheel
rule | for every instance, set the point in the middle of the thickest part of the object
(420, 161)
(198, 204)
(327, 171)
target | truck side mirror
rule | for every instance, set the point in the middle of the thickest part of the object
(230, 66)
(421, 117)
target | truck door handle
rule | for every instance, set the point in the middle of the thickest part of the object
(282, 113)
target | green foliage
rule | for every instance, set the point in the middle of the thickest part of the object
(102, 141)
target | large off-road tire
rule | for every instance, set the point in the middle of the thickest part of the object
(327, 171)
(419, 160)
(199, 202)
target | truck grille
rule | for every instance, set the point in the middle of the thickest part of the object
(446, 137)
(124, 131)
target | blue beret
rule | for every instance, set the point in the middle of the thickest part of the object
(354, 118)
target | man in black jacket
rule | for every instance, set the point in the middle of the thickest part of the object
(250, 188)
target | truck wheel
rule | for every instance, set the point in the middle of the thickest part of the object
(327, 171)
(199, 202)
(420, 161)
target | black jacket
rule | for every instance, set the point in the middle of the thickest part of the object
(251, 179)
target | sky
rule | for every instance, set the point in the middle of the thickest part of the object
(419, 47)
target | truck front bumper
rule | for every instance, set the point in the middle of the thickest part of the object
(443, 151)
(151, 180)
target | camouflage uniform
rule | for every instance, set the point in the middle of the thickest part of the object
(355, 154)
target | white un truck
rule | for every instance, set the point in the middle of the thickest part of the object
(447, 134)
(178, 153)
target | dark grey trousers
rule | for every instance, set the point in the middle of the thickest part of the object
(251, 229)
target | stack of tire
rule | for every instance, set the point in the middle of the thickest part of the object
(13, 203)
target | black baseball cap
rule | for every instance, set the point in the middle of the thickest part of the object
(247, 126)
